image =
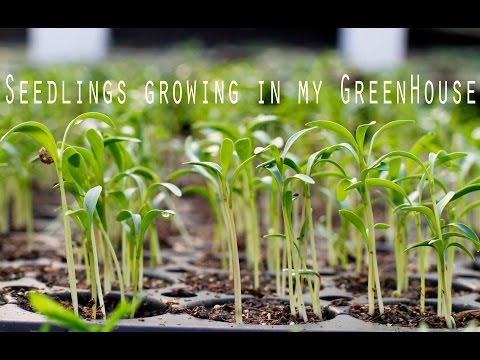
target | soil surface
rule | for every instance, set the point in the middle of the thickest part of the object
(211, 260)
(255, 311)
(219, 282)
(358, 285)
(51, 276)
(15, 247)
(85, 306)
(409, 316)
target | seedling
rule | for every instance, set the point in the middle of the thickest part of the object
(42, 135)
(139, 225)
(442, 234)
(296, 260)
(218, 176)
(367, 180)
(84, 217)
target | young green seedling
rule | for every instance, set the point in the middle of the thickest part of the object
(366, 168)
(218, 175)
(85, 217)
(139, 225)
(441, 239)
(244, 138)
(151, 202)
(54, 154)
(296, 260)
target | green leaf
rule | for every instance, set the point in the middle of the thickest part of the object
(381, 226)
(276, 174)
(226, 152)
(207, 164)
(350, 149)
(143, 172)
(312, 160)
(118, 155)
(96, 143)
(90, 162)
(276, 156)
(385, 127)
(288, 201)
(467, 230)
(361, 132)
(420, 244)
(461, 247)
(149, 216)
(354, 184)
(453, 234)
(291, 140)
(243, 147)
(328, 161)
(72, 188)
(464, 191)
(443, 159)
(305, 178)
(272, 236)
(396, 154)
(135, 219)
(386, 184)
(76, 167)
(109, 140)
(381, 167)
(444, 201)
(339, 129)
(394, 166)
(91, 199)
(56, 313)
(236, 173)
(80, 216)
(426, 211)
(356, 221)
(169, 186)
(342, 191)
(291, 164)
(305, 272)
(38, 132)
(432, 159)
(94, 115)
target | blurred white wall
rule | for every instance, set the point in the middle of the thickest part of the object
(373, 49)
(56, 45)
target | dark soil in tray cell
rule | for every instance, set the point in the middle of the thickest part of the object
(211, 260)
(59, 277)
(409, 316)
(55, 276)
(219, 282)
(15, 247)
(11, 273)
(148, 307)
(357, 284)
(255, 311)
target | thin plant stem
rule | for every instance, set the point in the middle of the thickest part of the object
(372, 259)
(235, 262)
